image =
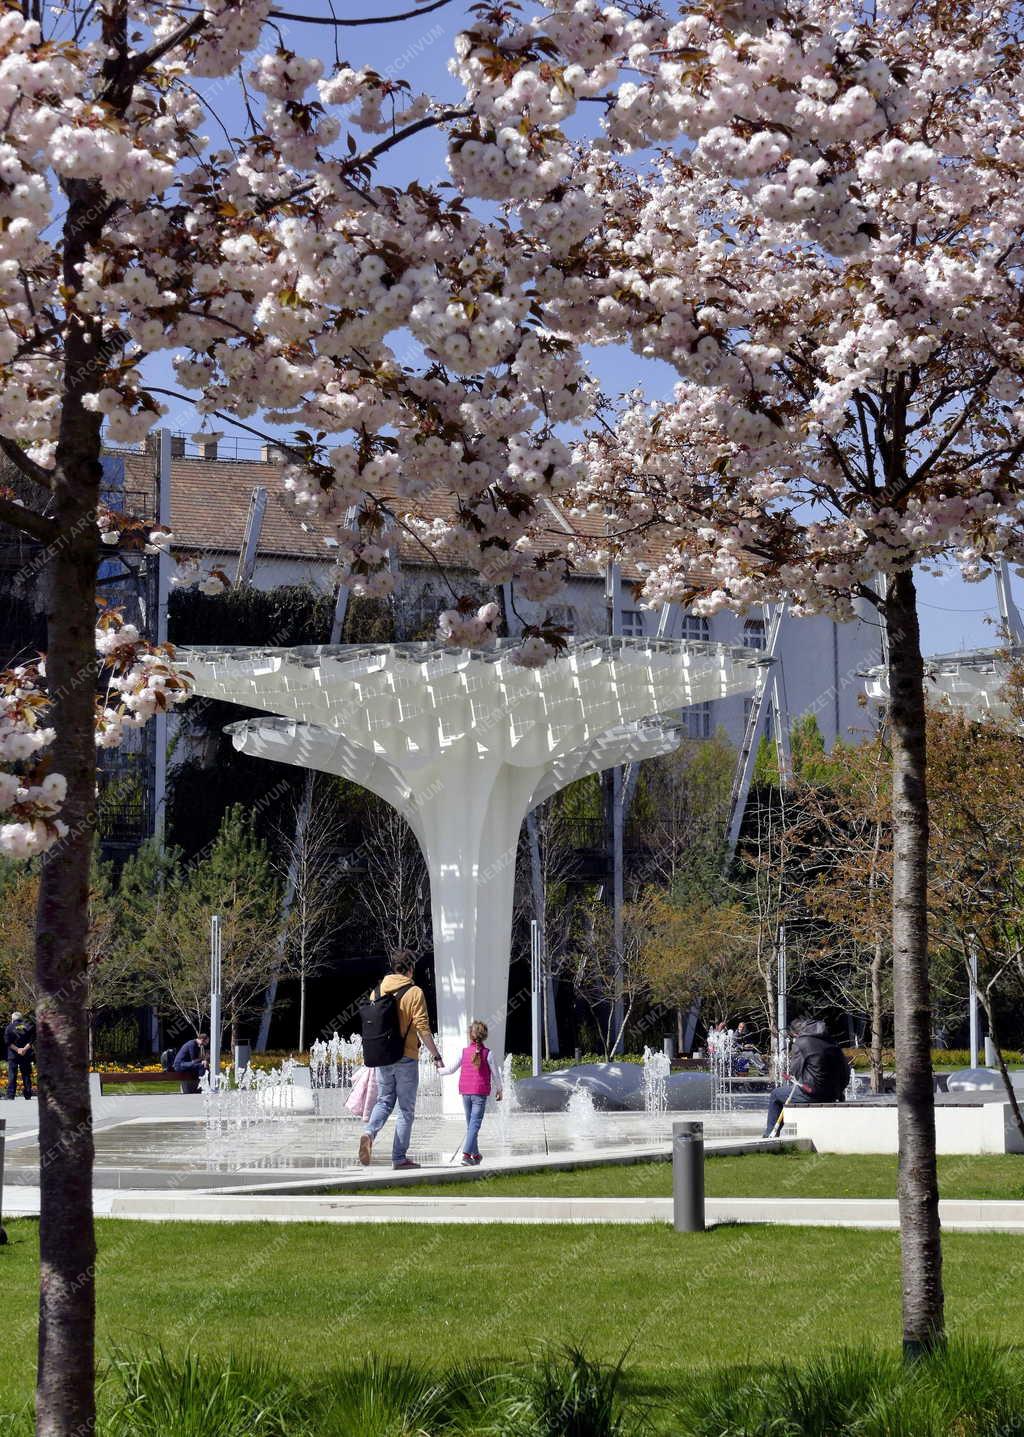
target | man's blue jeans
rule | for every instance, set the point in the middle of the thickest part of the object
(397, 1083)
(778, 1098)
(474, 1104)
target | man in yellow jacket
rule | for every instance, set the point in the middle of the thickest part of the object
(399, 1082)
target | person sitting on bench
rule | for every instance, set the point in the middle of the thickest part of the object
(190, 1062)
(818, 1071)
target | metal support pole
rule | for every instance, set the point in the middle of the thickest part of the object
(539, 895)
(688, 1177)
(536, 995)
(1009, 614)
(972, 983)
(782, 1002)
(618, 894)
(744, 775)
(616, 830)
(215, 1016)
(159, 629)
(246, 565)
(341, 599)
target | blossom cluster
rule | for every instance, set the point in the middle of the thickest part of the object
(29, 798)
(141, 680)
(811, 215)
(469, 629)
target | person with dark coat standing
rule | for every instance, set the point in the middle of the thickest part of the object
(818, 1071)
(19, 1036)
(190, 1062)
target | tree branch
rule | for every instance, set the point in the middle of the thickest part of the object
(331, 21)
(24, 464)
(368, 157)
(141, 63)
(26, 520)
(925, 468)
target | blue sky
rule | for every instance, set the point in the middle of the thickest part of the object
(954, 614)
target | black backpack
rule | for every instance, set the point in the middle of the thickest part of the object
(167, 1059)
(383, 1039)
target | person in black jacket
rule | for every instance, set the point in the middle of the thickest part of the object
(818, 1071)
(190, 1062)
(19, 1035)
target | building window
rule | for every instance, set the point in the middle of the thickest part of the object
(632, 623)
(769, 723)
(696, 628)
(697, 720)
(753, 634)
(563, 617)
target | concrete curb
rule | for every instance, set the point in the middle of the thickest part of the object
(384, 1177)
(957, 1215)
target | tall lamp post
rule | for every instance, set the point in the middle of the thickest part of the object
(536, 994)
(215, 1015)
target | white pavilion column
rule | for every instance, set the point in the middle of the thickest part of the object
(470, 812)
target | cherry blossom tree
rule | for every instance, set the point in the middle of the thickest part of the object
(273, 269)
(827, 249)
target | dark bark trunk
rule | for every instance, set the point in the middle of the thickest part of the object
(1011, 1092)
(65, 1397)
(920, 1237)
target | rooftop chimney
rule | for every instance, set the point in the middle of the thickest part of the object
(206, 441)
(272, 454)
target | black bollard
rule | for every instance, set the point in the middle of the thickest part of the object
(688, 1177)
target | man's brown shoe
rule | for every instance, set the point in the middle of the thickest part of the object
(404, 1165)
(365, 1149)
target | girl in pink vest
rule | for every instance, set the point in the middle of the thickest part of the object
(479, 1075)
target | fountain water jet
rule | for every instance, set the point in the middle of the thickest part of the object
(657, 1066)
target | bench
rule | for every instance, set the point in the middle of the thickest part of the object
(964, 1124)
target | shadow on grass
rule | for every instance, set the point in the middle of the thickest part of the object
(968, 1389)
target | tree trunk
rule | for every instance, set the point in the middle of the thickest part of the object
(302, 1007)
(876, 1018)
(65, 1400)
(1011, 1092)
(920, 1237)
(680, 1033)
(771, 999)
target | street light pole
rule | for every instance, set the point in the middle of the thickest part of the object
(536, 995)
(215, 1015)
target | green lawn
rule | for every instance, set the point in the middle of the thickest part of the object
(314, 1297)
(141, 1090)
(783, 1174)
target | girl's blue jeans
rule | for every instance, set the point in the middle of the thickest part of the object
(474, 1104)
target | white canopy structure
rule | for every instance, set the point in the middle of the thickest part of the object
(973, 681)
(463, 744)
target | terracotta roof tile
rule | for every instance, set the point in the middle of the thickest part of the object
(210, 502)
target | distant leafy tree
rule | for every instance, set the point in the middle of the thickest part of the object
(235, 879)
